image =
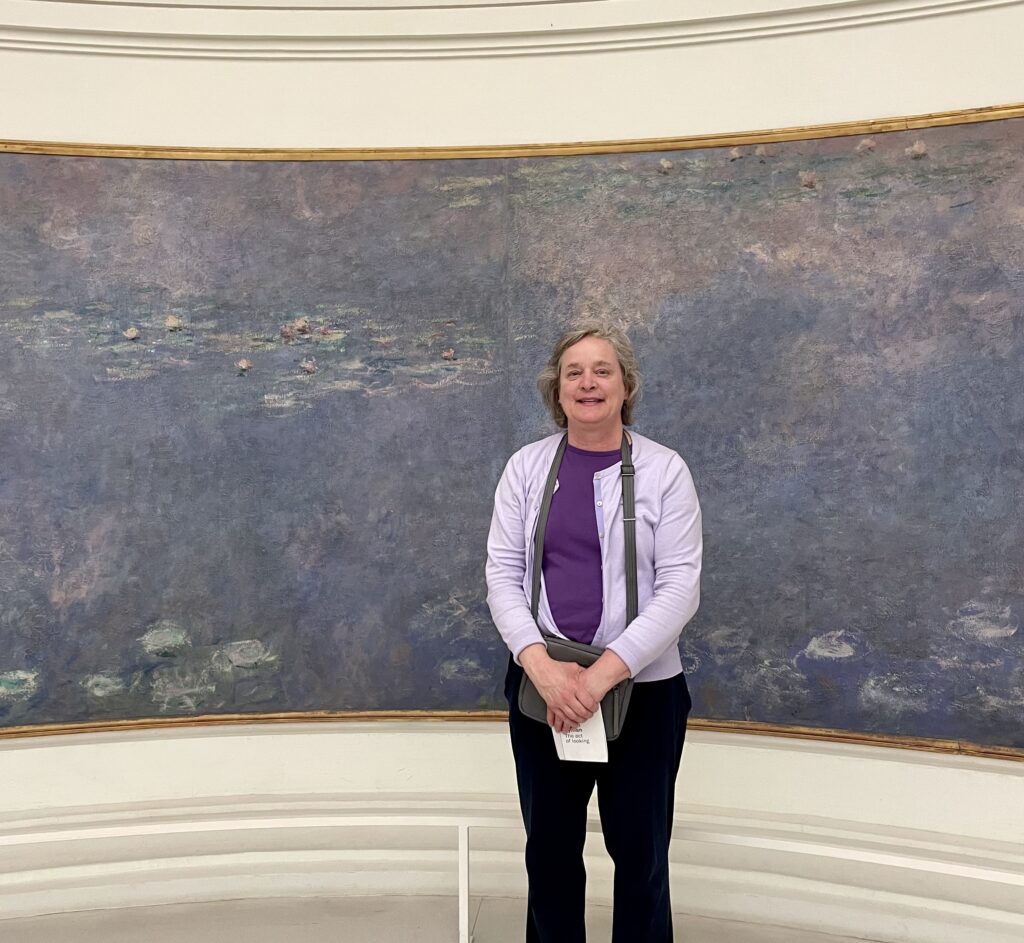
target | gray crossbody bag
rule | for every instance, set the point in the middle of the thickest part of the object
(616, 701)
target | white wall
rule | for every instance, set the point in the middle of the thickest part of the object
(415, 73)
(890, 844)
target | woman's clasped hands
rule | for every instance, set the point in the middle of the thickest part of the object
(572, 693)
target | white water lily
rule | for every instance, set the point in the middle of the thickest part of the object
(103, 685)
(18, 685)
(831, 645)
(245, 653)
(983, 621)
(165, 638)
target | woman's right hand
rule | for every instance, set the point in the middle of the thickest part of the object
(560, 684)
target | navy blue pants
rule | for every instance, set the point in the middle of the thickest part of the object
(635, 793)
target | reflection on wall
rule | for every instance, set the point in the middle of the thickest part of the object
(252, 415)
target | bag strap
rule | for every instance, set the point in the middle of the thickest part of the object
(628, 527)
(542, 523)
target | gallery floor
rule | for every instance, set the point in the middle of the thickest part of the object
(348, 920)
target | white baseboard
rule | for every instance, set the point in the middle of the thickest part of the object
(791, 833)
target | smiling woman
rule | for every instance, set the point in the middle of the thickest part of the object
(579, 523)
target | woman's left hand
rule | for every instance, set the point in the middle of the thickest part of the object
(604, 674)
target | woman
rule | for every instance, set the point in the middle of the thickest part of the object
(590, 385)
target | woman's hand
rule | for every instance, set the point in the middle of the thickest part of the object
(604, 674)
(559, 683)
(592, 684)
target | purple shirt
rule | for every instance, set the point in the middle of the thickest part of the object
(572, 545)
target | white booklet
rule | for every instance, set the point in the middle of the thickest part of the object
(587, 743)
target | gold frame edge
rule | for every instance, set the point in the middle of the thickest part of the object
(729, 139)
(749, 728)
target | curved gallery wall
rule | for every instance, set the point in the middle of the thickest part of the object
(862, 841)
(830, 330)
(394, 73)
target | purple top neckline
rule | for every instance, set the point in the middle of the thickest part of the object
(587, 452)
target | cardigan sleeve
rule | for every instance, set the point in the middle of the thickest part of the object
(678, 547)
(506, 561)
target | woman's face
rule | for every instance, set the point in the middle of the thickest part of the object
(591, 390)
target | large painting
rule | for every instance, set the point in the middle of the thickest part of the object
(252, 415)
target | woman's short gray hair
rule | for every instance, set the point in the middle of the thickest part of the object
(549, 380)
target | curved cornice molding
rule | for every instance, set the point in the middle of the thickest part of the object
(733, 139)
(248, 30)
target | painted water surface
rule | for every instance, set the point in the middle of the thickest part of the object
(252, 416)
